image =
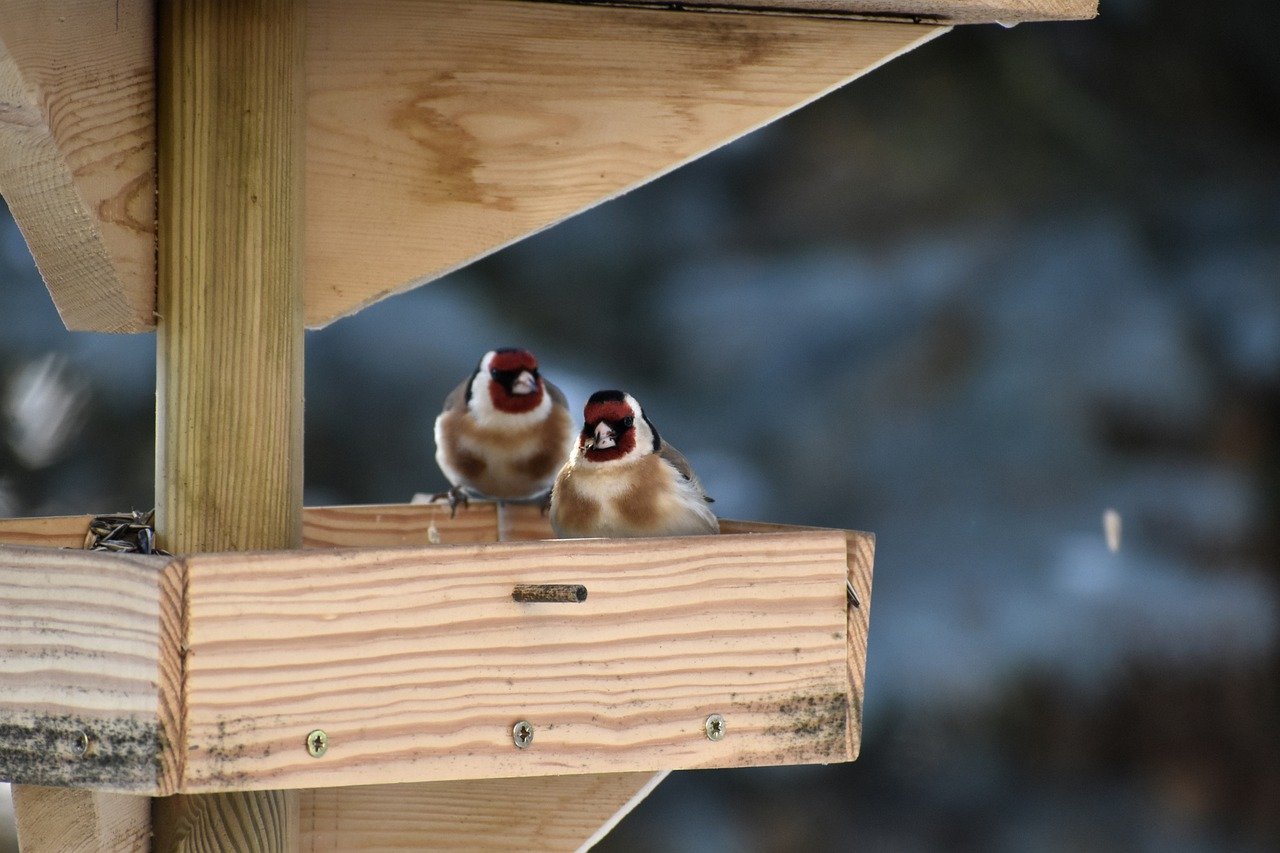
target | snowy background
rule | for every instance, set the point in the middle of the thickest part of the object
(973, 301)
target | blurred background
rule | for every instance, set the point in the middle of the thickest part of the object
(1009, 282)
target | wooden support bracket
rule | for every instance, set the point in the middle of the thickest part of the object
(437, 131)
(78, 153)
(550, 813)
(913, 11)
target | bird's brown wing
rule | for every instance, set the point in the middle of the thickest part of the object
(677, 460)
(557, 396)
(457, 399)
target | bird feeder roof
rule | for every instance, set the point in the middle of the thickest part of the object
(418, 162)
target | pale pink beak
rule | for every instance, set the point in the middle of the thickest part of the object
(604, 437)
(525, 383)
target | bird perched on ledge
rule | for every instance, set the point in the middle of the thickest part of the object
(504, 431)
(624, 480)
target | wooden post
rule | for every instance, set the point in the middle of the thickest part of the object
(230, 334)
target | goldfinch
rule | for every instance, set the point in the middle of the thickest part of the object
(624, 480)
(504, 432)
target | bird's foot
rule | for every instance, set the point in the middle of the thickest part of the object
(455, 496)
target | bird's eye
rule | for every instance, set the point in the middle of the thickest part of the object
(627, 422)
(494, 372)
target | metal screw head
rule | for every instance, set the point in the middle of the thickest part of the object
(81, 744)
(317, 743)
(715, 727)
(522, 734)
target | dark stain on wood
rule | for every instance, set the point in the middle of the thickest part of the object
(227, 750)
(809, 725)
(120, 753)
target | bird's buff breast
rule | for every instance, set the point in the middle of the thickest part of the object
(508, 460)
(636, 499)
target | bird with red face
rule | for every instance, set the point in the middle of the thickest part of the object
(624, 480)
(504, 432)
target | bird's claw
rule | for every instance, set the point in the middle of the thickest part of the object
(455, 496)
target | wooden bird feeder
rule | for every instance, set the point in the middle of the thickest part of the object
(386, 676)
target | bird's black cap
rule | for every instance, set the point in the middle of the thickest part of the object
(606, 397)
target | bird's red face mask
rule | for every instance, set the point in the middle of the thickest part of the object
(608, 432)
(515, 386)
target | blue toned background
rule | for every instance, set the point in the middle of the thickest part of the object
(1008, 282)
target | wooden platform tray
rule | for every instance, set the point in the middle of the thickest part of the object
(401, 641)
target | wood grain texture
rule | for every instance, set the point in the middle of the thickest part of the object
(50, 531)
(229, 337)
(522, 522)
(916, 11)
(622, 811)
(860, 552)
(81, 669)
(375, 640)
(363, 526)
(72, 820)
(861, 555)
(395, 525)
(519, 115)
(522, 114)
(248, 821)
(553, 813)
(416, 662)
(391, 525)
(229, 345)
(77, 153)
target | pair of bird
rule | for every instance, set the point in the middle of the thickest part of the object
(506, 433)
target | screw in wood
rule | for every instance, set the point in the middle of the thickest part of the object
(81, 744)
(522, 734)
(715, 727)
(317, 743)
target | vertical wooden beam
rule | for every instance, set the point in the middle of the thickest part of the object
(229, 342)
(229, 371)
